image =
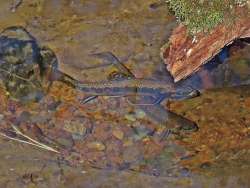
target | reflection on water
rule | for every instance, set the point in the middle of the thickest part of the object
(110, 133)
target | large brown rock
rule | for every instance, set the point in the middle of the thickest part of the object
(184, 54)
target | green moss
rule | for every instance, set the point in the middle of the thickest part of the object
(204, 15)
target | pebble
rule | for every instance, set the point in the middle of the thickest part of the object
(141, 132)
(185, 172)
(83, 172)
(140, 114)
(128, 142)
(65, 142)
(130, 117)
(1, 117)
(96, 145)
(53, 105)
(131, 154)
(76, 128)
(118, 134)
(40, 118)
(24, 116)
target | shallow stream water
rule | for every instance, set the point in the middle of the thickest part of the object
(108, 142)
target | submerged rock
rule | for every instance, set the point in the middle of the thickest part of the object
(118, 134)
(99, 146)
(23, 63)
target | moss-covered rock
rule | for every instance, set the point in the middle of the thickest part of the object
(204, 15)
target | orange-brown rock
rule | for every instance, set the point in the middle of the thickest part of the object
(184, 54)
